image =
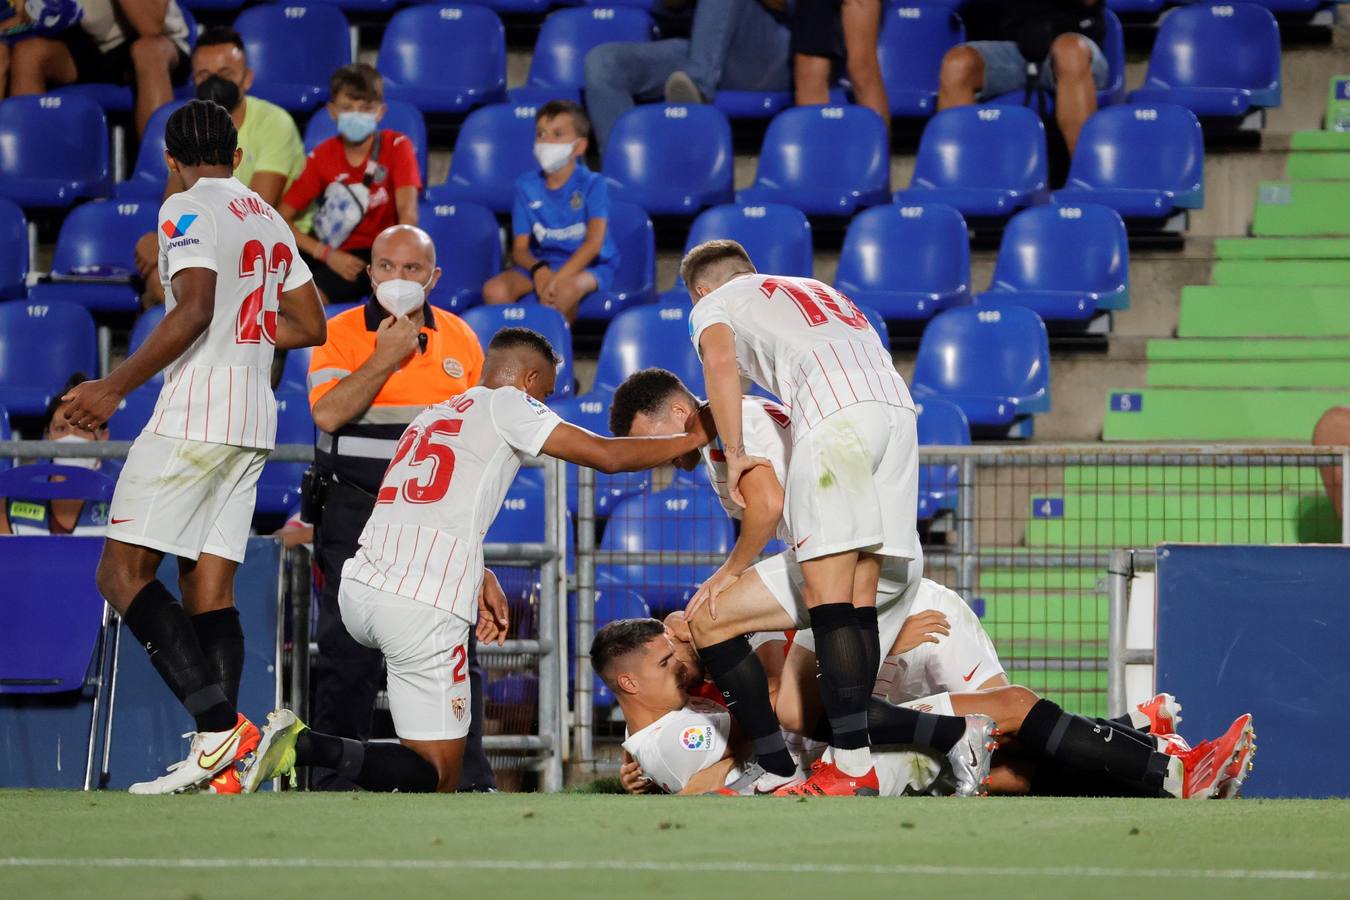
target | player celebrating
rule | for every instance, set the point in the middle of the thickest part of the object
(235, 289)
(412, 587)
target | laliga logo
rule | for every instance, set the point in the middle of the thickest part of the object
(178, 229)
(695, 737)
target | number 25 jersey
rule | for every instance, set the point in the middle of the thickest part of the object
(219, 390)
(445, 485)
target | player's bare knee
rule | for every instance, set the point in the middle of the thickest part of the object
(1017, 702)
(705, 631)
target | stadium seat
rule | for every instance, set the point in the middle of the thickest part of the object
(591, 411)
(906, 262)
(373, 8)
(752, 104)
(993, 363)
(654, 160)
(468, 250)
(495, 146)
(635, 278)
(41, 345)
(530, 7)
(53, 151)
(521, 518)
(211, 5)
(567, 35)
(13, 251)
(486, 321)
(151, 173)
(134, 412)
(777, 237)
(294, 368)
(399, 116)
(1143, 7)
(1145, 162)
(940, 423)
(5, 434)
(878, 324)
(94, 261)
(1113, 48)
(824, 160)
(1064, 262)
(914, 38)
(418, 68)
(611, 605)
(279, 483)
(1215, 59)
(648, 336)
(296, 81)
(985, 161)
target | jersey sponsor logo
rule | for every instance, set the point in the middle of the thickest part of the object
(177, 228)
(696, 737)
(453, 367)
(575, 232)
(536, 204)
(183, 242)
(972, 673)
(539, 409)
(576, 200)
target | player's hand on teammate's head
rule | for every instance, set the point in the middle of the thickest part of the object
(927, 627)
(89, 404)
(396, 338)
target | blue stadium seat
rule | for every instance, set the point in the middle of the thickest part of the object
(1142, 161)
(906, 262)
(878, 324)
(649, 336)
(372, 8)
(986, 161)
(279, 483)
(495, 146)
(272, 33)
(5, 434)
(211, 5)
(679, 520)
(940, 423)
(777, 237)
(94, 260)
(399, 116)
(1064, 262)
(993, 363)
(468, 250)
(567, 35)
(486, 321)
(418, 66)
(41, 344)
(654, 160)
(635, 279)
(752, 104)
(151, 173)
(591, 411)
(13, 251)
(336, 309)
(914, 38)
(521, 518)
(1141, 7)
(1215, 60)
(53, 151)
(295, 369)
(145, 323)
(1113, 48)
(824, 160)
(134, 412)
(527, 7)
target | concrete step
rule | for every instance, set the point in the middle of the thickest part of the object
(1190, 414)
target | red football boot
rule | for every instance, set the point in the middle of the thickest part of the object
(828, 781)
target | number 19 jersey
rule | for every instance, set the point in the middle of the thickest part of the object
(445, 485)
(220, 390)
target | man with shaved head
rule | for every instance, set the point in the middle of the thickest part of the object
(384, 362)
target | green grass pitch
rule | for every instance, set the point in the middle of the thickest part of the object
(322, 847)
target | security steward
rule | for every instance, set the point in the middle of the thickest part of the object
(384, 362)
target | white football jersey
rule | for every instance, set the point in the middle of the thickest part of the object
(804, 342)
(682, 743)
(220, 390)
(958, 663)
(444, 486)
(766, 431)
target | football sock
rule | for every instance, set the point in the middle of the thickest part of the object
(845, 683)
(382, 768)
(1091, 748)
(739, 675)
(1054, 779)
(222, 641)
(162, 628)
(891, 724)
(1129, 731)
(867, 621)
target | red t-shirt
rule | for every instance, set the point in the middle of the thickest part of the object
(328, 163)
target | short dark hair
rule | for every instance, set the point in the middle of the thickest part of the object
(620, 638)
(55, 404)
(201, 133)
(646, 391)
(510, 338)
(221, 34)
(554, 108)
(710, 253)
(359, 80)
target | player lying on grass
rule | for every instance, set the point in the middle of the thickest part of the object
(415, 586)
(745, 597)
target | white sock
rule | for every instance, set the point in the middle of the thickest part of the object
(887, 676)
(1139, 720)
(854, 763)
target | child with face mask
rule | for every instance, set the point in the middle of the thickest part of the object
(562, 248)
(361, 181)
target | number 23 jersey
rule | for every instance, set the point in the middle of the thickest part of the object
(445, 485)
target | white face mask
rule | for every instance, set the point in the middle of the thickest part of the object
(401, 297)
(82, 462)
(553, 157)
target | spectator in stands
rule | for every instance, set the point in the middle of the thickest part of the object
(143, 43)
(1062, 38)
(733, 45)
(1333, 429)
(825, 32)
(364, 180)
(19, 18)
(73, 516)
(562, 247)
(274, 155)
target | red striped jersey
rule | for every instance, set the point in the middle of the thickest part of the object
(220, 390)
(804, 342)
(444, 486)
(766, 432)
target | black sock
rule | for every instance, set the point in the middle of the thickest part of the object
(1124, 721)
(891, 724)
(382, 768)
(1055, 779)
(1091, 748)
(162, 628)
(841, 664)
(740, 677)
(1128, 730)
(867, 621)
(222, 642)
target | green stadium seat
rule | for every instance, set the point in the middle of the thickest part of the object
(1247, 373)
(1188, 414)
(1269, 477)
(1306, 208)
(1317, 166)
(1260, 311)
(1282, 248)
(1239, 349)
(1285, 271)
(1320, 140)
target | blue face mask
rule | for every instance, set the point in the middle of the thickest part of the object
(356, 126)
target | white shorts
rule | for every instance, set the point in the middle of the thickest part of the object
(937, 704)
(852, 483)
(958, 663)
(186, 497)
(426, 653)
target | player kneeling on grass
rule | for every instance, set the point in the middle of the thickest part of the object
(414, 588)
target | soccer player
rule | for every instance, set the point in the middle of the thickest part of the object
(235, 290)
(412, 587)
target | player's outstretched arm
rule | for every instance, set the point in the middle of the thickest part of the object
(631, 454)
(301, 322)
(717, 347)
(92, 403)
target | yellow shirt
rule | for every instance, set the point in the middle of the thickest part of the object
(271, 142)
